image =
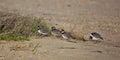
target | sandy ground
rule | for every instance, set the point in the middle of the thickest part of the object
(57, 49)
(77, 16)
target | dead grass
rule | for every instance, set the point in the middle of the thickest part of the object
(12, 37)
(19, 48)
(19, 26)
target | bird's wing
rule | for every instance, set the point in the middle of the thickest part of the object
(57, 31)
(97, 35)
(69, 35)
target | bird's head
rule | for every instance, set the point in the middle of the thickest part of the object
(62, 31)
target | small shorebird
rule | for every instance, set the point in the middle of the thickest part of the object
(67, 36)
(95, 36)
(42, 31)
(55, 32)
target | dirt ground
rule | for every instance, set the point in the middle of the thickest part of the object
(56, 49)
(77, 16)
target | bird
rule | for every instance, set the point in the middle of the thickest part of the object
(55, 32)
(42, 31)
(95, 36)
(67, 36)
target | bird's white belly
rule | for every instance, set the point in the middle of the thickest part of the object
(39, 32)
(42, 32)
(95, 38)
(64, 37)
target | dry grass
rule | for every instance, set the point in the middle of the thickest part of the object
(19, 26)
(12, 37)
